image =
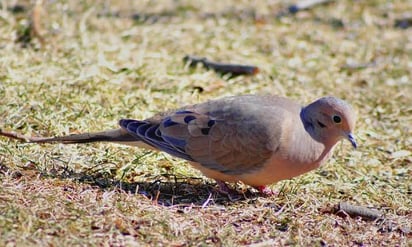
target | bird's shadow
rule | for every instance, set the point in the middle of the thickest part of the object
(165, 189)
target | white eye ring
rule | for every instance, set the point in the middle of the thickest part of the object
(336, 119)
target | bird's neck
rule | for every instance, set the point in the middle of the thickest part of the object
(315, 139)
(316, 133)
(309, 125)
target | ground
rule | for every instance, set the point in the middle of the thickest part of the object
(78, 66)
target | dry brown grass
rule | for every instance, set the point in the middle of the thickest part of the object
(102, 61)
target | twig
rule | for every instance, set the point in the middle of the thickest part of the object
(225, 68)
(31, 139)
(36, 24)
(301, 5)
(156, 199)
(14, 135)
(207, 201)
(358, 66)
(364, 212)
(404, 23)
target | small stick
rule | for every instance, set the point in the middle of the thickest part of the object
(17, 136)
(234, 69)
(36, 25)
(356, 66)
(306, 4)
(32, 139)
(404, 23)
(361, 211)
(301, 5)
(204, 205)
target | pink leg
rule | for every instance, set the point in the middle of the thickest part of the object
(264, 190)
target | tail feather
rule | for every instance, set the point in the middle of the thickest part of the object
(116, 135)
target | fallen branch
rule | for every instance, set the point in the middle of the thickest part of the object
(225, 68)
(361, 211)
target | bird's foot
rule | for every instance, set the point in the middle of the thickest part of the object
(266, 191)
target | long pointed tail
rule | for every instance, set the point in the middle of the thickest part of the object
(116, 135)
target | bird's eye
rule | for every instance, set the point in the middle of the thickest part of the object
(337, 119)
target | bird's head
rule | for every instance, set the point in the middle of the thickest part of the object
(332, 119)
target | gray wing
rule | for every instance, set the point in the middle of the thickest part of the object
(232, 135)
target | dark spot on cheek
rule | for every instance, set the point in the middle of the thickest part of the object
(210, 123)
(321, 124)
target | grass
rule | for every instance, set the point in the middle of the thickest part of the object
(102, 61)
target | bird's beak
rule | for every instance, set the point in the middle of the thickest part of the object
(352, 140)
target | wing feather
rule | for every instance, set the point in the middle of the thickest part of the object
(232, 135)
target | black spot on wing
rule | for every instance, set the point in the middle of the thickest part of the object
(168, 122)
(205, 131)
(189, 118)
(210, 123)
(183, 112)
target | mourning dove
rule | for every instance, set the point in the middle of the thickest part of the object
(255, 139)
